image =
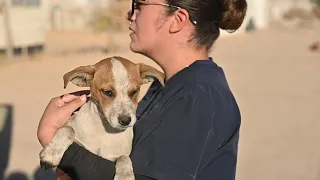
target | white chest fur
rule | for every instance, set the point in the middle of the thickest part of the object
(90, 132)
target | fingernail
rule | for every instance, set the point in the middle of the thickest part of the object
(83, 97)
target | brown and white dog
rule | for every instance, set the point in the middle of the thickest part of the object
(104, 125)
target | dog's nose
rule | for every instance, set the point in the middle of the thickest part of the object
(124, 120)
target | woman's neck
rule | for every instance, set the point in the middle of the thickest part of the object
(174, 61)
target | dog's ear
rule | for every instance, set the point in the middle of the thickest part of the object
(81, 76)
(149, 74)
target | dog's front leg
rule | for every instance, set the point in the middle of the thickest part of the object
(124, 169)
(51, 155)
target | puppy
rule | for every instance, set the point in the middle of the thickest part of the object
(104, 125)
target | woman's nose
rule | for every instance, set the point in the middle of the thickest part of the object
(130, 16)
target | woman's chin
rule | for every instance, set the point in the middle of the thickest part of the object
(133, 47)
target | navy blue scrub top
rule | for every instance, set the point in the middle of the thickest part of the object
(188, 129)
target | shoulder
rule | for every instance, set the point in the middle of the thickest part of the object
(204, 93)
(202, 88)
(201, 77)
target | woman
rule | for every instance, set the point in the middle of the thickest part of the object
(188, 129)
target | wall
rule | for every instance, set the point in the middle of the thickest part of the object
(27, 25)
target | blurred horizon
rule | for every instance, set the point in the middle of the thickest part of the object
(272, 64)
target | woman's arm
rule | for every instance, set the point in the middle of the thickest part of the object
(81, 164)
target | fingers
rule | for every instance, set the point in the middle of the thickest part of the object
(72, 96)
(75, 104)
(61, 175)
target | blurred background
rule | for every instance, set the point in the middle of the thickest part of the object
(272, 64)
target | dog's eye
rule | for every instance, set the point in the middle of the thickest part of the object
(108, 93)
(133, 93)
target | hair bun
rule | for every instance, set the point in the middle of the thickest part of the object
(233, 14)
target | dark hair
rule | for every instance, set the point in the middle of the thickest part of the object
(212, 15)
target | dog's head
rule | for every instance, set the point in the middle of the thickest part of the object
(115, 84)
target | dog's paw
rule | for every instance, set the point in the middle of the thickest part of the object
(46, 165)
(50, 156)
(124, 165)
(124, 177)
(124, 169)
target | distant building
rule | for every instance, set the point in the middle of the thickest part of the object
(72, 14)
(261, 13)
(279, 7)
(26, 20)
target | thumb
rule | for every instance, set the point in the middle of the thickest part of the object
(75, 104)
(62, 175)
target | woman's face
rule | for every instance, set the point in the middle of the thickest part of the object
(148, 26)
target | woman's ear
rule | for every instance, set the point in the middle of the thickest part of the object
(180, 20)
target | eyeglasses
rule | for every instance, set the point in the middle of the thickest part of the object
(137, 3)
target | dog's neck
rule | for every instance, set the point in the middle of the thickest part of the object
(96, 135)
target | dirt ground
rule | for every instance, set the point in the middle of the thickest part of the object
(274, 77)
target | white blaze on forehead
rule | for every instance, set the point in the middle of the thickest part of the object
(120, 75)
(122, 104)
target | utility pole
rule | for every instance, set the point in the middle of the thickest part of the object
(5, 9)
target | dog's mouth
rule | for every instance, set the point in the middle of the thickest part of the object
(121, 127)
(114, 123)
(115, 127)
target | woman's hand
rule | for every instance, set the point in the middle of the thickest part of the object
(62, 175)
(57, 114)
